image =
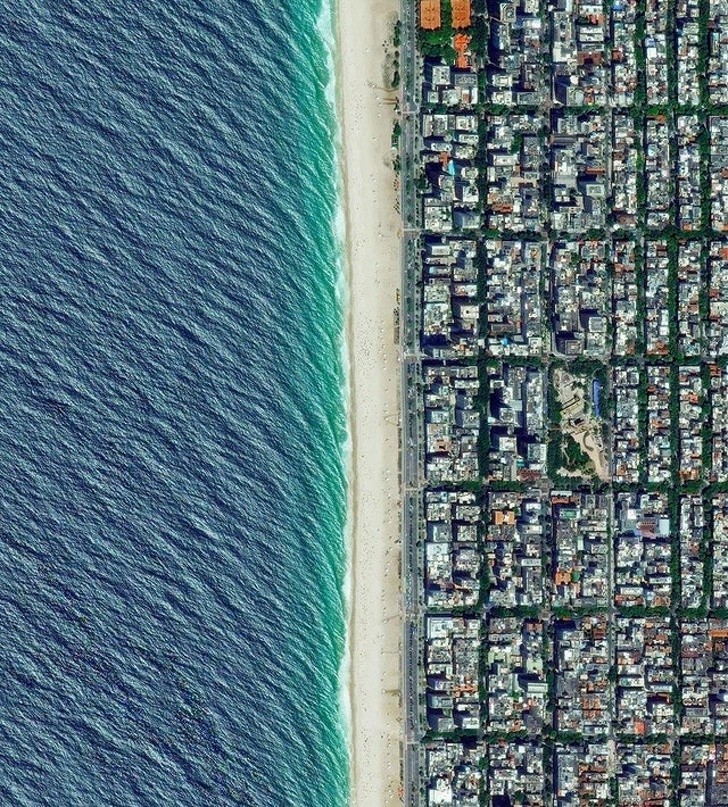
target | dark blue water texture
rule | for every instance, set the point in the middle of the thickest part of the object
(171, 416)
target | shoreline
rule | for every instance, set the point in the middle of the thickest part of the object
(371, 269)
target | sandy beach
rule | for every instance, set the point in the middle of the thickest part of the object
(373, 233)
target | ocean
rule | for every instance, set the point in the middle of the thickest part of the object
(172, 416)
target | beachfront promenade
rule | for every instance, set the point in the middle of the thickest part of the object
(412, 437)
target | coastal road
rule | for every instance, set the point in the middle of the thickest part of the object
(411, 409)
(412, 563)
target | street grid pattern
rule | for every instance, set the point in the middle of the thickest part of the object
(626, 679)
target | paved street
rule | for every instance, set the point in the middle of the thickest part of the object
(411, 408)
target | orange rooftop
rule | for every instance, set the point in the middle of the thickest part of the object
(430, 15)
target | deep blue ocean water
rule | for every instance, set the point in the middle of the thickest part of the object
(171, 412)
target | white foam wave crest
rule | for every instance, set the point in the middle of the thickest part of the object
(326, 29)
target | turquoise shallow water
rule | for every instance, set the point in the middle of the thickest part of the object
(172, 427)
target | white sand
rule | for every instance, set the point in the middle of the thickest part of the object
(373, 234)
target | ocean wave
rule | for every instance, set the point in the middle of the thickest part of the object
(174, 440)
